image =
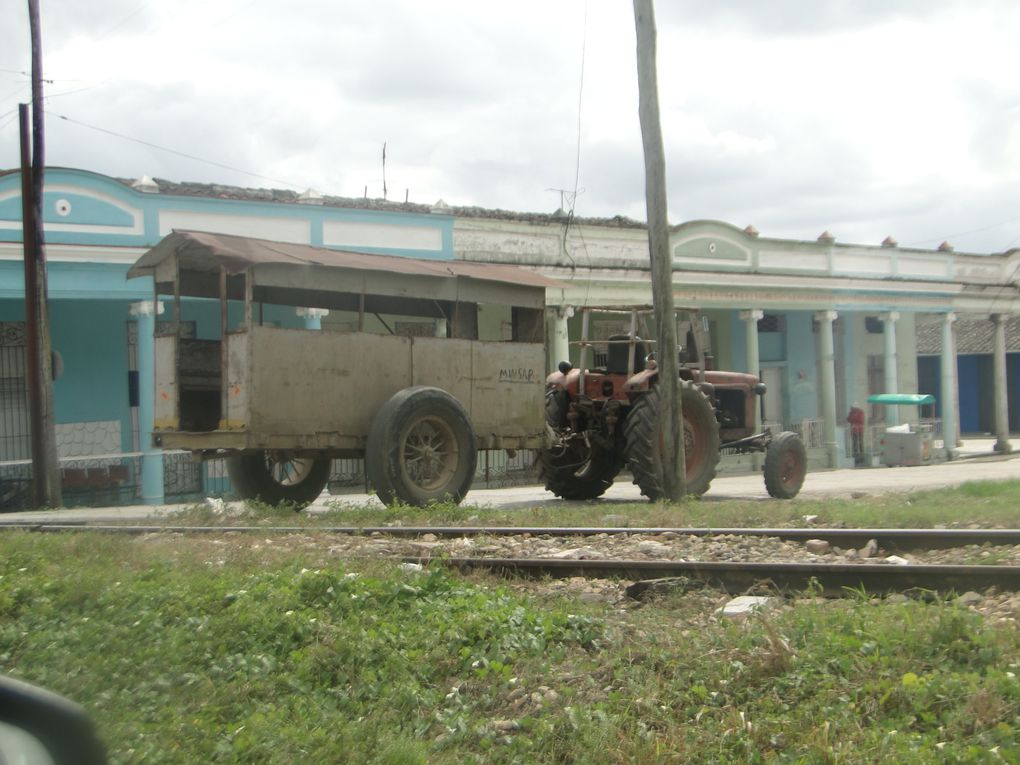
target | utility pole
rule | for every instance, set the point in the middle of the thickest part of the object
(674, 474)
(39, 352)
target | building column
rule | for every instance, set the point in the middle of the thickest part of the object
(312, 316)
(1000, 389)
(891, 382)
(751, 319)
(145, 313)
(950, 419)
(559, 336)
(827, 383)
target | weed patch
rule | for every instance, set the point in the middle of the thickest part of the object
(199, 650)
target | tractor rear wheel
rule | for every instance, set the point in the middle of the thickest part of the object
(701, 441)
(421, 448)
(577, 468)
(785, 465)
(277, 476)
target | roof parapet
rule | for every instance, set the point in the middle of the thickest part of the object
(146, 185)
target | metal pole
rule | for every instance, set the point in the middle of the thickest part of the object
(674, 477)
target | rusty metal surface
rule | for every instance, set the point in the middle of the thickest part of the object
(292, 388)
(165, 414)
(322, 382)
(206, 252)
(508, 389)
(237, 378)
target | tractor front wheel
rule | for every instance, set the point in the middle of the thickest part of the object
(785, 465)
(575, 468)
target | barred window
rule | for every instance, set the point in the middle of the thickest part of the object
(873, 325)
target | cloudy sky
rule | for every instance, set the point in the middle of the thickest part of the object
(864, 118)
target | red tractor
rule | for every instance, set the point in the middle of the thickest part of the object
(607, 416)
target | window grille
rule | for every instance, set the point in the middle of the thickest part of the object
(772, 322)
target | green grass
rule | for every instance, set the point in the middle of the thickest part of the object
(217, 650)
(988, 503)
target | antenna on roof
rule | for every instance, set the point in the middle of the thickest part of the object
(568, 197)
(384, 170)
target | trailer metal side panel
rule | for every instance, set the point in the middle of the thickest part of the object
(434, 359)
(165, 412)
(237, 396)
(305, 383)
(508, 391)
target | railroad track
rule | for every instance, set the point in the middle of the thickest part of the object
(890, 539)
(831, 579)
(732, 576)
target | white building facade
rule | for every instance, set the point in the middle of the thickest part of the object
(825, 324)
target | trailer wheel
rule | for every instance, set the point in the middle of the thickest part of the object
(575, 469)
(276, 476)
(643, 431)
(421, 448)
(785, 465)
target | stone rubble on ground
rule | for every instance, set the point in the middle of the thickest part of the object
(1000, 607)
(745, 605)
(870, 550)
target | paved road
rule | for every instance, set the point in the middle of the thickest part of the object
(827, 483)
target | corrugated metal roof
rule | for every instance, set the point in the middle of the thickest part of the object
(973, 336)
(205, 252)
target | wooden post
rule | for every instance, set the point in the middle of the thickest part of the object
(46, 488)
(674, 477)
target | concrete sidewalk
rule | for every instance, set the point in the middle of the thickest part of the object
(978, 462)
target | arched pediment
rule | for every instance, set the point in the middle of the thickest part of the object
(75, 201)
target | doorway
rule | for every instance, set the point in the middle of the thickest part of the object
(774, 395)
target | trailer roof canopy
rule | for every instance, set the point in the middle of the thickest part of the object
(902, 399)
(192, 263)
(206, 252)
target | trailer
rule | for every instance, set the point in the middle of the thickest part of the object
(281, 402)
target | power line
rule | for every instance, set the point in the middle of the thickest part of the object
(967, 233)
(178, 153)
(580, 97)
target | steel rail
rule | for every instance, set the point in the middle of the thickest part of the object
(890, 539)
(831, 579)
(735, 577)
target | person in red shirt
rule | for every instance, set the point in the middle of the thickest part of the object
(856, 420)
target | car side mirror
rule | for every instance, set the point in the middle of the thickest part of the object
(40, 727)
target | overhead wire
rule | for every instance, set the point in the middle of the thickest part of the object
(571, 217)
(947, 237)
(168, 150)
(13, 114)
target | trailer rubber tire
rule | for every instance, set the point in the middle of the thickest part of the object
(575, 470)
(785, 465)
(643, 432)
(421, 448)
(275, 477)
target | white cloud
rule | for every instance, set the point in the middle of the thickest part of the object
(870, 118)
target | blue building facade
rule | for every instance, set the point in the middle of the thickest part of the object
(95, 228)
